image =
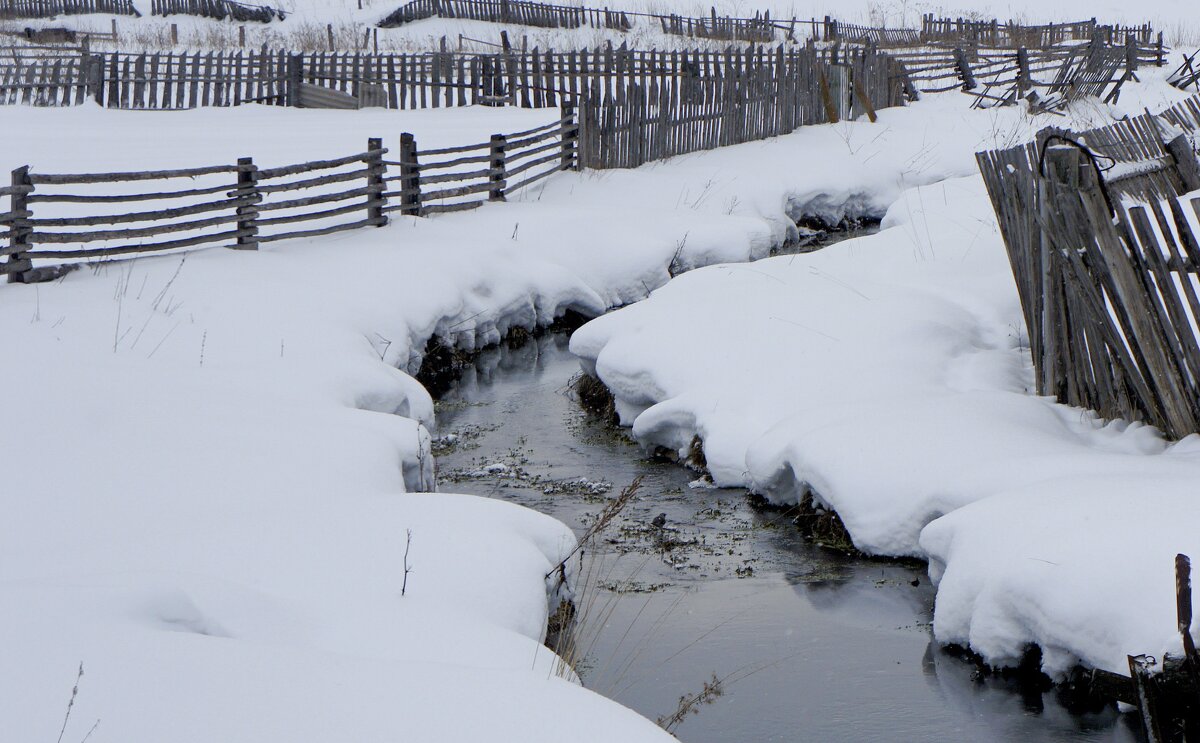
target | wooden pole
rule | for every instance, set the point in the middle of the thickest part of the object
(497, 176)
(375, 183)
(410, 181)
(247, 214)
(569, 136)
(295, 74)
(18, 238)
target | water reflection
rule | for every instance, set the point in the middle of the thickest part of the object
(811, 645)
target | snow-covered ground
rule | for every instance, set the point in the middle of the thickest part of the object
(210, 459)
(889, 376)
(306, 24)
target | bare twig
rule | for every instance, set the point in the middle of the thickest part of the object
(690, 705)
(71, 703)
(407, 567)
(610, 511)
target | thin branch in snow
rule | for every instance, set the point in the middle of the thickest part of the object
(71, 703)
(516, 227)
(407, 567)
(89, 733)
(203, 340)
(162, 294)
(164, 338)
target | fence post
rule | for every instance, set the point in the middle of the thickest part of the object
(375, 184)
(964, 69)
(18, 236)
(1024, 79)
(1180, 150)
(569, 137)
(410, 177)
(248, 197)
(496, 174)
(295, 73)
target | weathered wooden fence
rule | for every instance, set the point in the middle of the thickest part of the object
(518, 12)
(1187, 75)
(69, 217)
(758, 96)
(1056, 74)
(218, 9)
(168, 80)
(997, 34)
(760, 28)
(12, 9)
(1104, 245)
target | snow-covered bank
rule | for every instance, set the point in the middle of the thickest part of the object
(209, 456)
(888, 376)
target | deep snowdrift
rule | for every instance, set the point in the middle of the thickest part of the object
(888, 376)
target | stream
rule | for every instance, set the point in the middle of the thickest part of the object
(808, 644)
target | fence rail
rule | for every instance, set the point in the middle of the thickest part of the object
(76, 216)
(1104, 242)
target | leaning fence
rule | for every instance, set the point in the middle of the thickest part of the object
(71, 217)
(1103, 234)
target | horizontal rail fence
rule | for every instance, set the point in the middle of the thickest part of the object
(13, 9)
(218, 9)
(1104, 244)
(756, 96)
(70, 217)
(454, 179)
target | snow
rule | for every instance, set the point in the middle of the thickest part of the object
(212, 460)
(888, 376)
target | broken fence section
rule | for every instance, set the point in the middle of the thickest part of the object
(1103, 234)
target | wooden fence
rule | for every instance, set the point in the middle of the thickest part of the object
(761, 28)
(1057, 74)
(758, 96)
(12, 9)
(1187, 75)
(167, 80)
(70, 217)
(996, 34)
(218, 9)
(518, 12)
(756, 30)
(1105, 249)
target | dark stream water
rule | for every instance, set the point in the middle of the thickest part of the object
(809, 644)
